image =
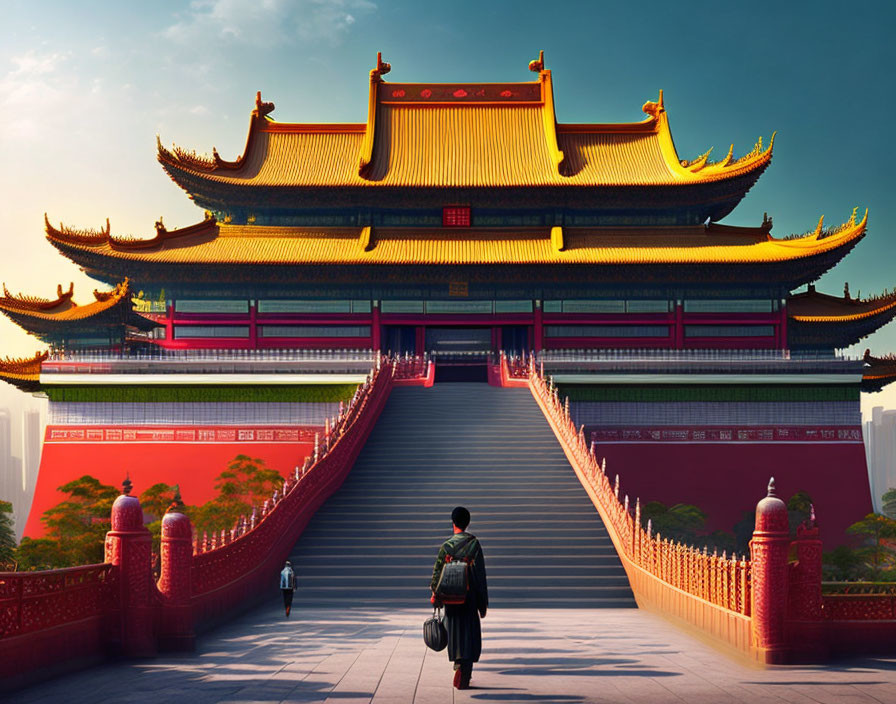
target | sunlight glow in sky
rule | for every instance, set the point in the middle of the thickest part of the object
(85, 87)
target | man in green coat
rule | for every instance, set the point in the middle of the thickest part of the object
(462, 620)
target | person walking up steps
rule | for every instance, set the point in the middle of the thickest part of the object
(462, 619)
(287, 586)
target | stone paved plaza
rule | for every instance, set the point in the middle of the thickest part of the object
(378, 656)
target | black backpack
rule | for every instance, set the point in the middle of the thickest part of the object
(454, 581)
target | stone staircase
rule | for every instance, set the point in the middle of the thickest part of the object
(486, 448)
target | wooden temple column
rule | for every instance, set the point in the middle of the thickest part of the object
(679, 326)
(253, 325)
(169, 322)
(782, 328)
(419, 339)
(375, 330)
(538, 328)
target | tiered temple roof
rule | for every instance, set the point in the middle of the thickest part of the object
(819, 320)
(465, 136)
(23, 372)
(63, 319)
(696, 249)
(879, 371)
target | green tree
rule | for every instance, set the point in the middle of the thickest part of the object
(842, 564)
(41, 554)
(155, 501)
(157, 498)
(681, 522)
(876, 529)
(77, 526)
(889, 503)
(799, 508)
(7, 537)
(743, 532)
(246, 482)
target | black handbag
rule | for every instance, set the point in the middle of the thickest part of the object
(434, 634)
(454, 580)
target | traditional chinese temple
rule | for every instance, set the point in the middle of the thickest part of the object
(458, 221)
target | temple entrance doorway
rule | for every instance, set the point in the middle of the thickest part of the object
(460, 353)
(515, 339)
(400, 339)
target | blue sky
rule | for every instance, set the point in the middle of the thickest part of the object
(85, 87)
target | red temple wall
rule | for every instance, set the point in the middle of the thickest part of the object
(721, 477)
(190, 456)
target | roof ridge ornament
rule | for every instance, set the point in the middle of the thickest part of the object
(382, 68)
(654, 109)
(365, 157)
(262, 109)
(537, 65)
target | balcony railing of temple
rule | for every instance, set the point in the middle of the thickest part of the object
(212, 361)
(700, 361)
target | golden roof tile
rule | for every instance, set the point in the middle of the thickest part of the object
(216, 243)
(814, 307)
(65, 309)
(461, 136)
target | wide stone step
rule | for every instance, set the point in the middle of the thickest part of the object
(374, 541)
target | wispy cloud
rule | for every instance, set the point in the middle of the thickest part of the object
(31, 89)
(267, 23)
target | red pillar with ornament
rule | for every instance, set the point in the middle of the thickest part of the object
(175, 583)
(129, 547)
(769, 596)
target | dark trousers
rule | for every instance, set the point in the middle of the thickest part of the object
(287, 599)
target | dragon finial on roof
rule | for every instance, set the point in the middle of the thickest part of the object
(382, 68)
(262, 108)
(654, 109)
(537, 65)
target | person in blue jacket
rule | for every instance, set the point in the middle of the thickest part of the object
(287, 586)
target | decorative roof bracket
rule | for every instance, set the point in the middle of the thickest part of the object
(548, 114)
(366, 238)
(376, 77)
(557, 238)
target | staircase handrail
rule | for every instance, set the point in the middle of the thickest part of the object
(228, 567)
(718, 579)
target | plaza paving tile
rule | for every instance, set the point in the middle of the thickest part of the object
(374, 656)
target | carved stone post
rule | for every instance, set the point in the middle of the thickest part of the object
(176, 581)
(805, 576)
(769, 547)
(129, 547)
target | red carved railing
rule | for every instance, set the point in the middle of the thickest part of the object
(765, 606)
(711, 592)
(859, 607)
(31, 601)
(718, 579)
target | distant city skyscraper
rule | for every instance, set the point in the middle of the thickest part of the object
(32, 433)
(7, 481)
(880, 449)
